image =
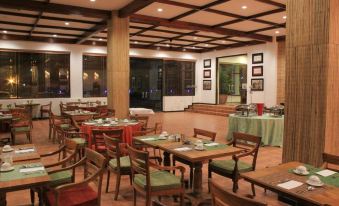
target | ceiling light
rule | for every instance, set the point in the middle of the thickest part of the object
(284, 17)
(66, 23)
(195, 38)
(193, 47)
(206, 44)
(4, 31)
(100, 39)
(54, 35)
(135, 42)
(277, 32)
(244, 7)
(160, 10)
(167, 45)
(92, 0)
(184, 49)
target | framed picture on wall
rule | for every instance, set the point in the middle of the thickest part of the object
(207, 73)
(207, 85)
(207, 63)
(257, 71)
(257, 84)
(257, 58)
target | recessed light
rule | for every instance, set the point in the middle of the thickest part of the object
(92, 0)
(277, 32)
(66, 23)
(284, 17)
(167, 45)
(244, 7)
(193, 47)
(206, 44)
(135, 42)
(54, 35)
(184, 49)
(100, 39)
(195, 38)
(160, 10)
(4, 31)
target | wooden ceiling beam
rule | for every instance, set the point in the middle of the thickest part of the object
(193, 26)
(273, 3)
(94, 31)
(173, 38)
(31, 5)
(134, 7)
(229, 46)
(38, 18)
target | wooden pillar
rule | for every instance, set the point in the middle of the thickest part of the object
(118, 69)
(312, 80)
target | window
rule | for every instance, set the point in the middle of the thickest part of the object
(179, 78)
(94, 76)
(34, 75)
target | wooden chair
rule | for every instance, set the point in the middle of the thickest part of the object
(98, 138)
(81, 193)
(45, 109)
(144, 147)
(201, 134)
(60, 121)
(330, 159)
(118, 162)
(142, 119)
(63, 108)
(67, 152)
(222, 197)
(77, 120)
(22, 124)
(232, 168)
(155, 183)
(102, 112)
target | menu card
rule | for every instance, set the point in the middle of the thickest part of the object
(24, 150)
(212, 144)
(290, 184)
(326, 173)
(32, 169)
(183, 149)
(148, 139)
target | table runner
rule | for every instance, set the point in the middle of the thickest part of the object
(16, 174)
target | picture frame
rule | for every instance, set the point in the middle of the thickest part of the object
(257, 58)
(257, 84)
(207, 73)
(207, 63)
(207, 84)
(257, 71)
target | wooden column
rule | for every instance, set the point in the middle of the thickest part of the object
(118, 69)
(312, 80)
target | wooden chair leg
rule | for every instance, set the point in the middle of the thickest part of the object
(134, 197)
(13, 138)
(50, 132)
(253, 190)
(130, 179)
(108, 177)
(191, 176)
(117, 186)
(148, 200)
(182, 199)
(209, 176)
(32, 196)
(235, 185)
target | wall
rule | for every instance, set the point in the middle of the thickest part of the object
(281, 72)
(268, 96)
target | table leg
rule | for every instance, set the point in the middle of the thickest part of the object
(197, 179)
(167, 159)
(3, 199)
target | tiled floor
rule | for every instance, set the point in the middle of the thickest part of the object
(174, 122)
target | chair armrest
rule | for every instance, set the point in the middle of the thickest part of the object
(53, 153)
(237, 157)
(81, 162)
(159, 167)
(67, 159)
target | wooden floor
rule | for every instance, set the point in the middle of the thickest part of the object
(174, 122)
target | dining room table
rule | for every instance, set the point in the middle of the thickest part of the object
(128, 127)
(26, 172)
(79, 113)
(187, 150)
(267, 126)
(283, 180)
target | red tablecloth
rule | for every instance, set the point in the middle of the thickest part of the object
(127, 133)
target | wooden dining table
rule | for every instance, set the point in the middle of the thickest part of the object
(269, 178)
(16, 179)
(197, 157)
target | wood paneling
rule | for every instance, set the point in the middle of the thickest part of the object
(312, 81)
(281, 68)
(118, 68)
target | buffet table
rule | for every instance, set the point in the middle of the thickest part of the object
(270, 128)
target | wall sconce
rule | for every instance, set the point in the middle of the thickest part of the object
(85, 76)
(96, 76)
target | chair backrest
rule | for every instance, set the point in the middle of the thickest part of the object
(70, 149)
(98, 136)
(21, 117)
(249, 143)
(62, 107)
(222, 197)
(158, 128)
(332, 160)
(142, 119)
(77, 120)
(204, 133)
(139, 164)
(113, 148)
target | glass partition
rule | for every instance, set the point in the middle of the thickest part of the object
(94, 76)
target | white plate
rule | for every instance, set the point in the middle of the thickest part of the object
(90, 123)
(6, 170)
(8, 150)
(199, 149)
(315, 184)
(162, 138)
(298, 173)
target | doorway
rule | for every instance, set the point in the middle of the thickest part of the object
(232, 80)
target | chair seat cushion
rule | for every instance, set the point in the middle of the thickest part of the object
(65, 126)
(124, 163)
(79, 140)
(160, 180)
(227, 166)
(59, 178)
(21, 129)
(84, 196)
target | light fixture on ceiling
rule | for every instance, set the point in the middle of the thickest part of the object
(206, 45)
(160, 10)
(4, 31)
(193, 47)
(244, 7)
(285, 17)
(135, 42)
(277, 32)
(183, 49)
(100, 39)
(92, 0)
(66, 23)
(195, 38)
(54, 35)
(167, 45)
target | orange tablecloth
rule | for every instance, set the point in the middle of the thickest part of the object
(127, 133)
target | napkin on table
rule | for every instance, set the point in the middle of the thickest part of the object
(290, 184)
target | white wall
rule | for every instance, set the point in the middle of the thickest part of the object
(268, 96)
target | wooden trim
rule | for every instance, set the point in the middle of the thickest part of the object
(35, 51)
(94, 31)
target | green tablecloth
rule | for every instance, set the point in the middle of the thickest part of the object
(271, 129)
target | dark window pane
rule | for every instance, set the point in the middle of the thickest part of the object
(94, 76)
(35, 75)
(179, 78)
